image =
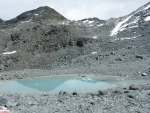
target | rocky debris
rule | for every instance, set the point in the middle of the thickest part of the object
(131, 96)
(112, 53)
(117, 92)
(74, 93)
(13, 76)
(3, 101)
(11, 104)
(144, 74)
(82, 103)
(101, 93)
(139, 57)
(126, 91)
(119, 59)
(133, 87)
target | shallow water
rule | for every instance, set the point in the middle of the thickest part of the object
(57, 84)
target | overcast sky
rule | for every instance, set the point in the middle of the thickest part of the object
(72, 9)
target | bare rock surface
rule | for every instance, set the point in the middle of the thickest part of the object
(110, 101)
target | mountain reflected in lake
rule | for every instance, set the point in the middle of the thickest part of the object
(54, 85)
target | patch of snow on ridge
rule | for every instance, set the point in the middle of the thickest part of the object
(36, 14)
(143, 8)
(90, 22)
(9, 52)
(147, 18)
(91, 25)
(94, 52)
(85, 21)
(135, 26)
(135, 21)
(100, 25)
(64, 23)
(147, 7)
(129, 38)
(118, 27)
(26, 21)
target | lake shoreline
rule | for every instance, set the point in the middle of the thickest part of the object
(119, 100)
(133, 98)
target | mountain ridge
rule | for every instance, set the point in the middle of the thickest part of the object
(55, 42)
(39, 14)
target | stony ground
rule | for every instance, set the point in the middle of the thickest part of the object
(133, 99)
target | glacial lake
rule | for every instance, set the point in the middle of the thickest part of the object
(57, 84)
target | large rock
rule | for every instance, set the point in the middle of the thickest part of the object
(3, 101)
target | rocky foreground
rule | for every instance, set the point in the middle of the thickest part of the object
(134, 99)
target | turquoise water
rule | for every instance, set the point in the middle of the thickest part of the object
(54, 85)
(57, 84)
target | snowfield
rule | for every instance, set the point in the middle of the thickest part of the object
(9, 52)
(119, 26)
(147, 18)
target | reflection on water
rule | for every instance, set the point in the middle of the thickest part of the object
(42, 84)
(53, 85)
(57, 84)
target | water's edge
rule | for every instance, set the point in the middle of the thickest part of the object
(63, 83)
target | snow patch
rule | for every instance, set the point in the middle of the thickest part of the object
(91, 25)
(133, 26)
(90, 22)
(129, 38)
(147, 7)
(122, 29)
(119, 26)
(65, 23)
(9, 52)
(100, 25)
(94, 52)
(36, 14)
(135, 21)
(4, 109)
(147, 18)
(26, 21)
(94, 37)
(85, 21)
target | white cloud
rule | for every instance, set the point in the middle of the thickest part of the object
(104, 9)
(73, 9)
(12, 8)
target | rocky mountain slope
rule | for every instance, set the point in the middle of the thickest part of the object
(135, 24)
(40, 14)
(44, 39)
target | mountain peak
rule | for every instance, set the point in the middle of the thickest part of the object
(41, 13)
(93, 19)
(146, 6)
(43, 8)
(91, 22)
